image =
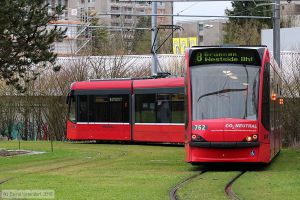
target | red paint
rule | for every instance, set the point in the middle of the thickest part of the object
(159, 133)
(104, 85)
(220, 130)
(226, 130)
(98, 131)
(158, 83)
(140, 132)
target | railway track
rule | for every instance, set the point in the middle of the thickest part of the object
(172, 193)
(228, 187)
(3, 181)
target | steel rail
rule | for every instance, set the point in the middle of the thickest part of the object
(172, 193)
(228, 187)
(3, 181)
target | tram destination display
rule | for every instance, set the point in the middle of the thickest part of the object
(222, 55)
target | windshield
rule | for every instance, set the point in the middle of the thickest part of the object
(72, 108)
(224, 91)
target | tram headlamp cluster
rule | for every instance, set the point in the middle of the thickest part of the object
(197, 138)
(251, 138)
(281, 101)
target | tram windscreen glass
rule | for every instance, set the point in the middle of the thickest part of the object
(227, 55)
(72, 108)
(225, 91)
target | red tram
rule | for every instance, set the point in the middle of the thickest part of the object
(233, 105)
(145, 110)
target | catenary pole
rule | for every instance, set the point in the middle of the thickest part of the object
(276, 31)
(154, 39)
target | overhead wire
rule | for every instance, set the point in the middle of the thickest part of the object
(187, 8)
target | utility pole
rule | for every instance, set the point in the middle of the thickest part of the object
(276, 31)
(154, 39)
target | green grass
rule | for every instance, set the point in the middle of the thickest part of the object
(96, 171)
(116, 171)
(280, 180)
(210, 186)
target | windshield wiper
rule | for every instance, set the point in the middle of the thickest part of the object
(221, 92)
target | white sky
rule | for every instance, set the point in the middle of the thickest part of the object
(200, 8)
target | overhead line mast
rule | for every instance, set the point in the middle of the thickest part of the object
(154, 34)
(154, 28)
(276, 23)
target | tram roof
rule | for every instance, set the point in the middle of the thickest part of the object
(159, 83)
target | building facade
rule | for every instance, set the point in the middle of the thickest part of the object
(290, 14)
(208, 32)
(115, 15)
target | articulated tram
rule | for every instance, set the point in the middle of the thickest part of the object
(234, 105)
(145, 110)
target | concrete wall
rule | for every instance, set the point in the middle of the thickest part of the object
(290, 39)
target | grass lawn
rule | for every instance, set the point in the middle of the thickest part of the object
(208, 186)
(96, 171)
(116, 171)
(280, 180)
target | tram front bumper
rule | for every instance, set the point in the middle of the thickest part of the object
(224, 144)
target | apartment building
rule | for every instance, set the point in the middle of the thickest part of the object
(82, 9)
(290, 14)
(208, 32)
(78, 14)
(133, 8)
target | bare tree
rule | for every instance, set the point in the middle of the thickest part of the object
(291, 93)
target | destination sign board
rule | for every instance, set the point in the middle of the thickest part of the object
(224, 55)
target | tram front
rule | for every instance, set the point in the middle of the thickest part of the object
(223, 87)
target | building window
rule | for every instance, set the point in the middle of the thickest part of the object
(201, 38)
(115, 24)
(201, 27)
(128, 9)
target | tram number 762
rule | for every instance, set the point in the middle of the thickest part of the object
(200, 127)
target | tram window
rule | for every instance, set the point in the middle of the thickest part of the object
(145, 108)
(178, 108)
(72, 109)
(117, 104)
(98, 108)
(109, 108)
(280, 91)
(163, 108)
(266, 98)
(83, 108)
(159, 108)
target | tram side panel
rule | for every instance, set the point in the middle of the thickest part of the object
(100, 117)
(159, 117)
(159, 110)
(98, 112)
